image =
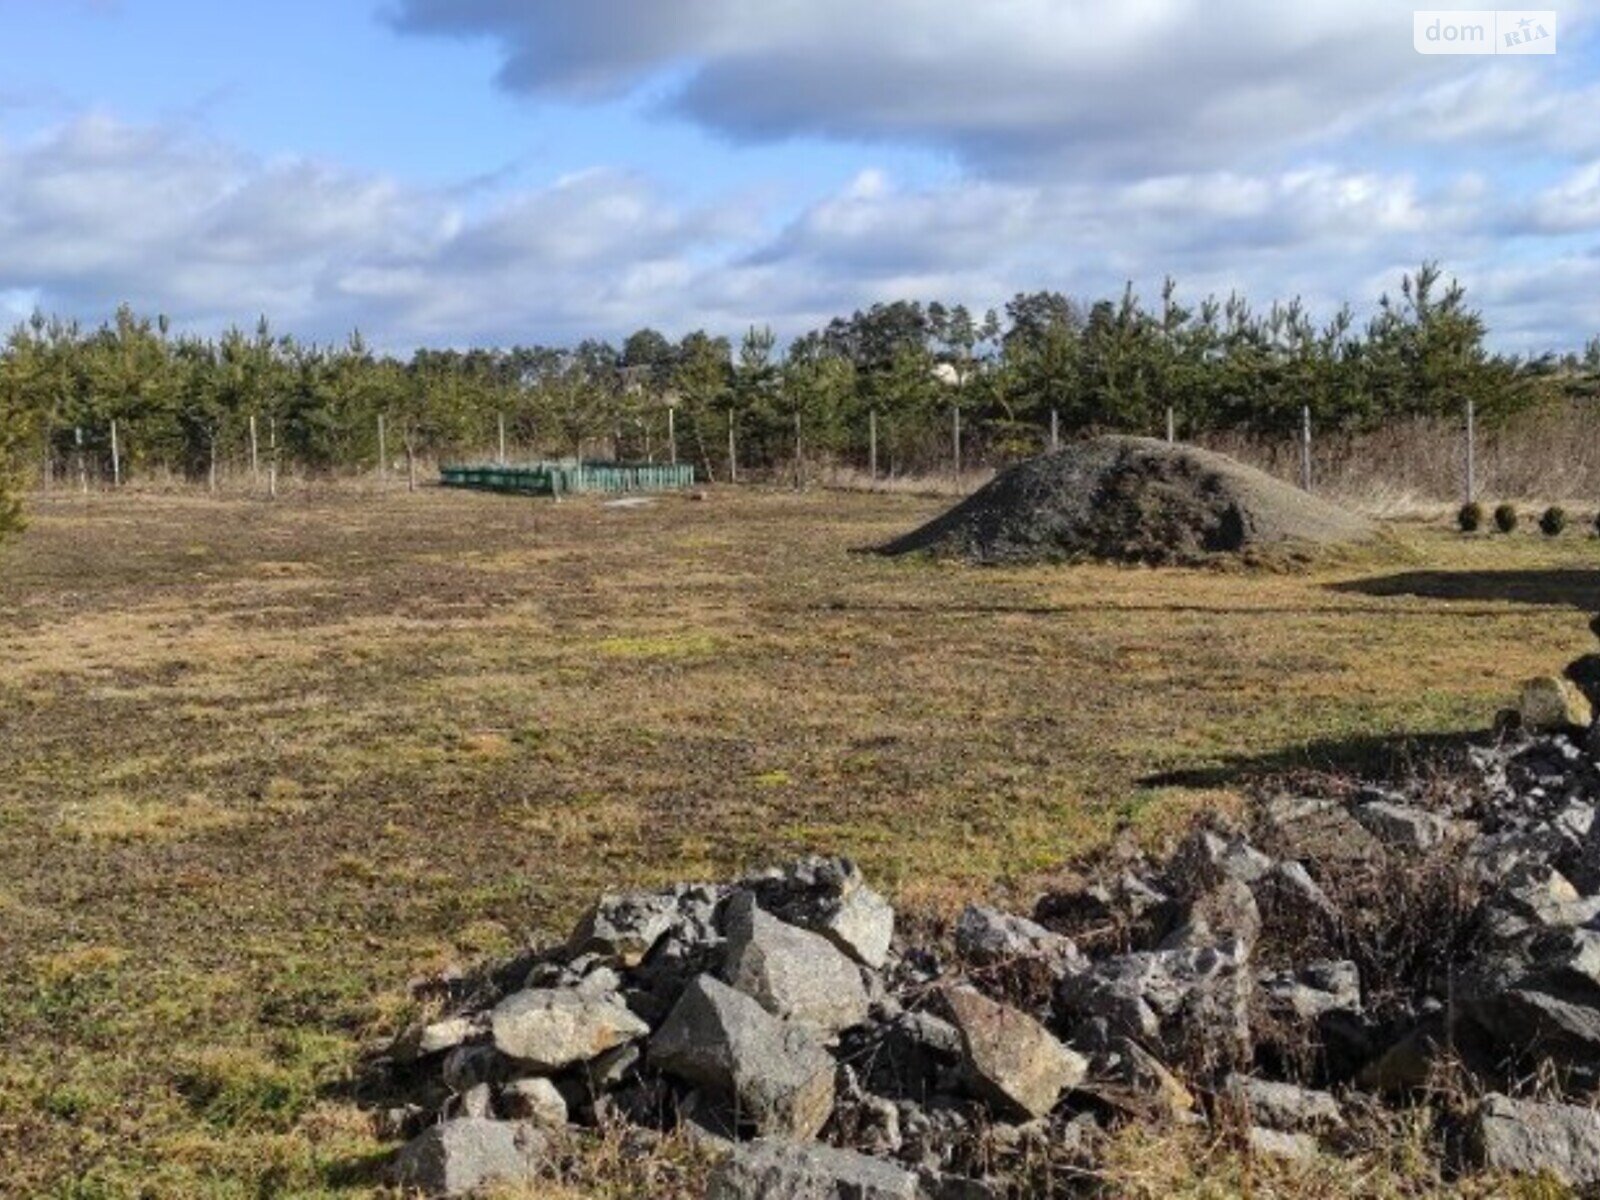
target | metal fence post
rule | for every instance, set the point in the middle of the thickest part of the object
(1305, 447)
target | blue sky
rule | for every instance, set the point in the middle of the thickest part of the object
(489, 171)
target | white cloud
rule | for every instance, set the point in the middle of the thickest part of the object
(97, 212)
(1022, 87)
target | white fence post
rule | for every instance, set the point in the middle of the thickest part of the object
(955, 413)
(383, 450)
(1472, 464)
(116, 457)
(1172, 426)
(255, 453)
(1055, 430)
(872, 445)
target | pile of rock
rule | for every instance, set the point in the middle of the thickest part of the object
(1271, 979)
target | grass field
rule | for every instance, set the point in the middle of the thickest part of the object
(261, 764)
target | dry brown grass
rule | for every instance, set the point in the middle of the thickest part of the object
(261, 764)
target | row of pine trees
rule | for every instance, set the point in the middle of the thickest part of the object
(186, 404)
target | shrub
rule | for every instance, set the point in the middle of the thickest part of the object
(1505, 518)
(1471, 517)
(1553, 521)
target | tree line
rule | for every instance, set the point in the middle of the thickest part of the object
(896, 374)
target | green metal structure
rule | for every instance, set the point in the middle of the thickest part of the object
(564, 478)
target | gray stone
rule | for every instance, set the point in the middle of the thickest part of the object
(420, 1041)
(774, 1169)
(1274, 1143)
(986, 937)
(790, 971)
(1283, 1106)
(1227, 910)
(1316, 830)
(1401, 826)
(624, 927)
(548, 1029)
(1172, 1001)
(476, 1101)
(1548, 703)
(1315, 990)
(1008, 1058)
(777, 1072)
(535, 1100)
(1127, 1077)
(467, 1066)
(612, 1067)
(1204, 860)
(1524, 1137)
(829, 897)
(459, 1156)
(1289, 899)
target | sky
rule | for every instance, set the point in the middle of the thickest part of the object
(489, 172)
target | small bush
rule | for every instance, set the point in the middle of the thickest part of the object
(1553, 521)
(1471, 517)
(1597, 534)
(1505, 518)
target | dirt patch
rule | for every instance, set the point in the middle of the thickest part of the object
(1132, 500)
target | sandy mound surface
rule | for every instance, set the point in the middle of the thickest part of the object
(1133, 500)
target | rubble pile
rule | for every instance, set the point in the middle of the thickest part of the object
(1327, 957)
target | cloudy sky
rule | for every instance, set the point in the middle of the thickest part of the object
(488, 171)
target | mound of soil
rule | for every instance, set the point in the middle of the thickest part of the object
(1133, 500)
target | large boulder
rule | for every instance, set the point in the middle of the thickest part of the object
(791, 971)
(548, 1029)
(775, 1169)
(1008, 1058)
(1523, 1137)
(777, 1072)
(460, 1156)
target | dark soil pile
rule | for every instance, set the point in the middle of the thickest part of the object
(1132, 500)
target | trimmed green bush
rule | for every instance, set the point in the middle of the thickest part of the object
(1505, 518)
(1553, 520)
(1472, 516)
